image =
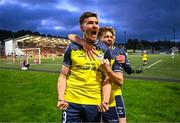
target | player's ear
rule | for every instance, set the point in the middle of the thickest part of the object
(114, 37)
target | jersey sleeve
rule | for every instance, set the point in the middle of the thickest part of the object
(67, 57)
(127, 66)
(107, 54)
(117, 67)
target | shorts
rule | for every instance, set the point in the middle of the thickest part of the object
(81, 113)
(110, 116)
(144, 61)
(120, 106)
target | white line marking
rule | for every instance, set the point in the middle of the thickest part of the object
(154, 64)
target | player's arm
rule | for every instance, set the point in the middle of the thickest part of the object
(115, 77)
(106, 83)
(75, 38)
(106, 92)
(61, 87)
(127, 66)
(88, 48)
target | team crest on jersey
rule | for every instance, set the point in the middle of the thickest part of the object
(100, 57)
(120, 57)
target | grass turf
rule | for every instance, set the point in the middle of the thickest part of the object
(27, 96)
(167, 69)
(148, 101)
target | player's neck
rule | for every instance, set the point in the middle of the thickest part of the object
(88, 40)
(111, 47)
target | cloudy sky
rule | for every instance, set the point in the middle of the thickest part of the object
(143, 19)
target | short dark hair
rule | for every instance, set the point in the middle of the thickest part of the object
(86, 15)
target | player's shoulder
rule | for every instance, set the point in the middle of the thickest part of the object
(118, 50)
(73, 46)
(101, 45)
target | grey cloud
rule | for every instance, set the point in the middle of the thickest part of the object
(19, 17)
(144, 19)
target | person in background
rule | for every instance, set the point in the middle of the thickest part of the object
(144, 59)
(172, 55)
(25, 65)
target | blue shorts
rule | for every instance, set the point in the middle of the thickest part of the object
(120, 106)
(81, 113)
(110, 116)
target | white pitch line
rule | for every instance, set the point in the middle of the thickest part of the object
(154, 64)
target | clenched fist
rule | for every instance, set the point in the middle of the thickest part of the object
(62, 104)
(105, 65)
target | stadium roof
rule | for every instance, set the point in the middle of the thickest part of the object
(41, 41)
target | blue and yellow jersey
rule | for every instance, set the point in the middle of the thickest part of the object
(118, 67)
(144, 57)
(85, 77)
(126, 66)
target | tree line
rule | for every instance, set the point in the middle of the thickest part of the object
(153, 45)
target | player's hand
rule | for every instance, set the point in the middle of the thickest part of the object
(88, 48)
(105, 65)
(62, 104)
(75, 38)
(120, 58)
(103, 107)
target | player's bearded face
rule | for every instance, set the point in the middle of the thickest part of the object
(90, 28)
(108, 38)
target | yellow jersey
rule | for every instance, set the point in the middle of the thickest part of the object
(85, 77)
(144, 57)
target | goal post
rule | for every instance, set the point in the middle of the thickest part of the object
(33, 55)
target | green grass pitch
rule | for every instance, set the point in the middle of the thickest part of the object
(31, 96)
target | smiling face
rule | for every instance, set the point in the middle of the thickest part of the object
(90, 28)
(108, 38)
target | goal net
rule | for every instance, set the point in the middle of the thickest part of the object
(32, 55)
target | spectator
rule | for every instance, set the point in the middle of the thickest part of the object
(25, 65)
